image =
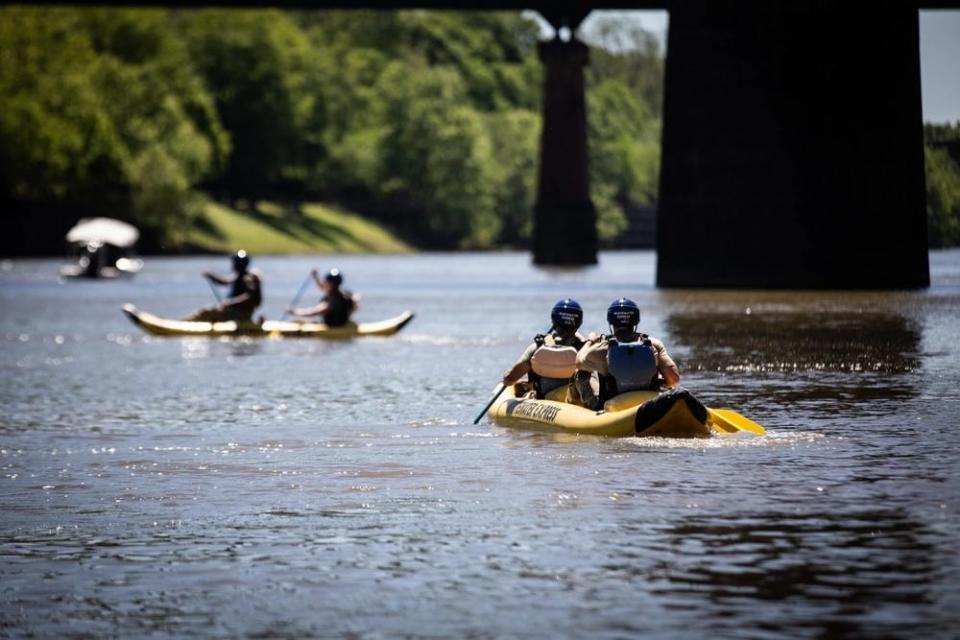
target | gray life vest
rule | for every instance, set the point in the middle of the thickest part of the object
(633, 364)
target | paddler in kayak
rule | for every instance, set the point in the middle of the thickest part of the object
(336, 306)
(551, 360)
(625, 361)
(245, 293)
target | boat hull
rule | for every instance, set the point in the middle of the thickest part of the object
(155, 325)
(671, 414)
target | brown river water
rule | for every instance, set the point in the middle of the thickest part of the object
(187, 487)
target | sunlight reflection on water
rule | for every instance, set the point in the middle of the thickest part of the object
(185, 487)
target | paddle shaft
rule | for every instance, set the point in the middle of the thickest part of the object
(296, 298)
(216, 294)
(490, 404)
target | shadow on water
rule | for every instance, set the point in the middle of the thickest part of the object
(834, 358)
(781, 341)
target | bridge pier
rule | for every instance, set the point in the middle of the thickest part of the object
(565, 221)
(792, 147)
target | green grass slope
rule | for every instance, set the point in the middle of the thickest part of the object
(268, 228)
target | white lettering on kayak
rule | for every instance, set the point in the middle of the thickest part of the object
(534, 410)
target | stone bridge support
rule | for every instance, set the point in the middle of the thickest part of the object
(792, 147)
(565, 222)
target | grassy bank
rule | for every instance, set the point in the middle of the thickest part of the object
(269, 228)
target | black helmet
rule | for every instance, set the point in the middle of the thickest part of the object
(567, 314)
(623, 313)
(240, 260)
(334, 277)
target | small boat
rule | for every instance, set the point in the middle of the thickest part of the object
(102, 248)
(158, 326)
(674, 413)
(123, 267)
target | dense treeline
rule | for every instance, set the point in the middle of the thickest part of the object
(428, 121)
(942, 152)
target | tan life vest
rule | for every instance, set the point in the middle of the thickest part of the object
(554, 361)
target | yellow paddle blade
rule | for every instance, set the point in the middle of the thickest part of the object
(720, 423)
(725, 418)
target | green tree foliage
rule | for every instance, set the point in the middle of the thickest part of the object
(515, 139)
(624, 99)
(429, 121)
(626, 52)
(435, 154)
(256, 65)
(942, 154)
(624, 153)
(102, 110)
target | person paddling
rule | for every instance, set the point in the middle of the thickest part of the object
(551, 360)
(625, 361)
(244, 297)
(336, 306)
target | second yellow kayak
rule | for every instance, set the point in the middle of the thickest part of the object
(155, 325)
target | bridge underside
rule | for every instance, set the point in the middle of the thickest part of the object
(792, 147)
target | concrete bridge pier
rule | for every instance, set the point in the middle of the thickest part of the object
(565, 221)
(792, 147)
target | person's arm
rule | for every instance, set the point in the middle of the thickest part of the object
(520, 368)
(668, 369)
(252, 284)
(514, 373)
(240, 299)
(307, 312)
(592, 357)
(316, 278)
(212, 277)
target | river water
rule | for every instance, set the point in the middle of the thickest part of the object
(299, 488)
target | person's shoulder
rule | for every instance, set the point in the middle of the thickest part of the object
(657, 343)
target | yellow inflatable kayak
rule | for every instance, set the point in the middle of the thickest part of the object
(158, 326)
(674, 413)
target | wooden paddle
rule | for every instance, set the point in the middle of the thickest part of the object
(731, 422)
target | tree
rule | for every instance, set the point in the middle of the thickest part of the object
(624, 154)
(90, 98)
(255, 63)
(515, 140)
(435, 155)
(943, 198)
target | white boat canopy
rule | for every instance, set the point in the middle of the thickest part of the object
(104, 230)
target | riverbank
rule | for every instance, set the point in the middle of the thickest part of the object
(37, 229)
(271, 228)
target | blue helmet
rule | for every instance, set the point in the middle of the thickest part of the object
(623, 313)
(334, 277)
(567, 314)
